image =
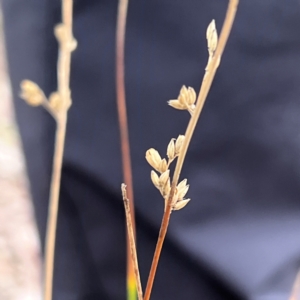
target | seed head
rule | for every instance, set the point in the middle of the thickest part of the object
(181, 192)
(155, 179)
(31, 93)
(187, 96)
(163, 166)
(171, 150)
(185, 100)
(176, 104)
(154, 159)
(164, 178)
(181, 204)
(212, 37)
(178, 144)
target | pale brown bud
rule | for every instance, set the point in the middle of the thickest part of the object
(212, 37)
(183, 95)
(191, 96)
(164, 178)
(31, 93)
(185, 100)
(176, 104)
(155, 179)
(181, 192)
(64, 37)
(60, 32)
(55, 101)
(154, 159)
(171, 150)
(179, 143)
(181, 184)
(163, 166)
(181, 204)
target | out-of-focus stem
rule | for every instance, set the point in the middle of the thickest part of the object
(63, 74)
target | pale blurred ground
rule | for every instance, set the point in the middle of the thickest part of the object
(19, 248)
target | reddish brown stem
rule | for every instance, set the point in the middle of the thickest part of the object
(122, 115)
(131, 238)
(206, 84)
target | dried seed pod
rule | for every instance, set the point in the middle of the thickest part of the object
(164, 178)
(154, 159)
(155, 179)
(179, 143)
(183, 95)
(185, 100)
(181, 184)
(55, 101)
(191, 96)
(212, 37)
(176, 104)
(181, 192)
(171, 150)
(181, 204)
(31, 93)
(163, 166)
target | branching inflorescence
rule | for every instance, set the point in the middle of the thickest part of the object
(173, 192)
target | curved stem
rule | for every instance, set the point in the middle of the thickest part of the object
(206, 84)
(124, 137)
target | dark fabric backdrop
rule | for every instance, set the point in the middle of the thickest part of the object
(239, 236)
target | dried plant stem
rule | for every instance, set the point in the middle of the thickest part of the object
(124, 135)
(206, 84)
(131, 237)
(53, 209)
(64, 61)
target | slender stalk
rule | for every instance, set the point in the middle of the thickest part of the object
(206, 84)
(53, 209)
(132, 243)
(124, 135)
(64, 61)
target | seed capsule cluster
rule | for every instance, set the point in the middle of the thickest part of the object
(161, 176)
(33, 94)
(185, 100)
